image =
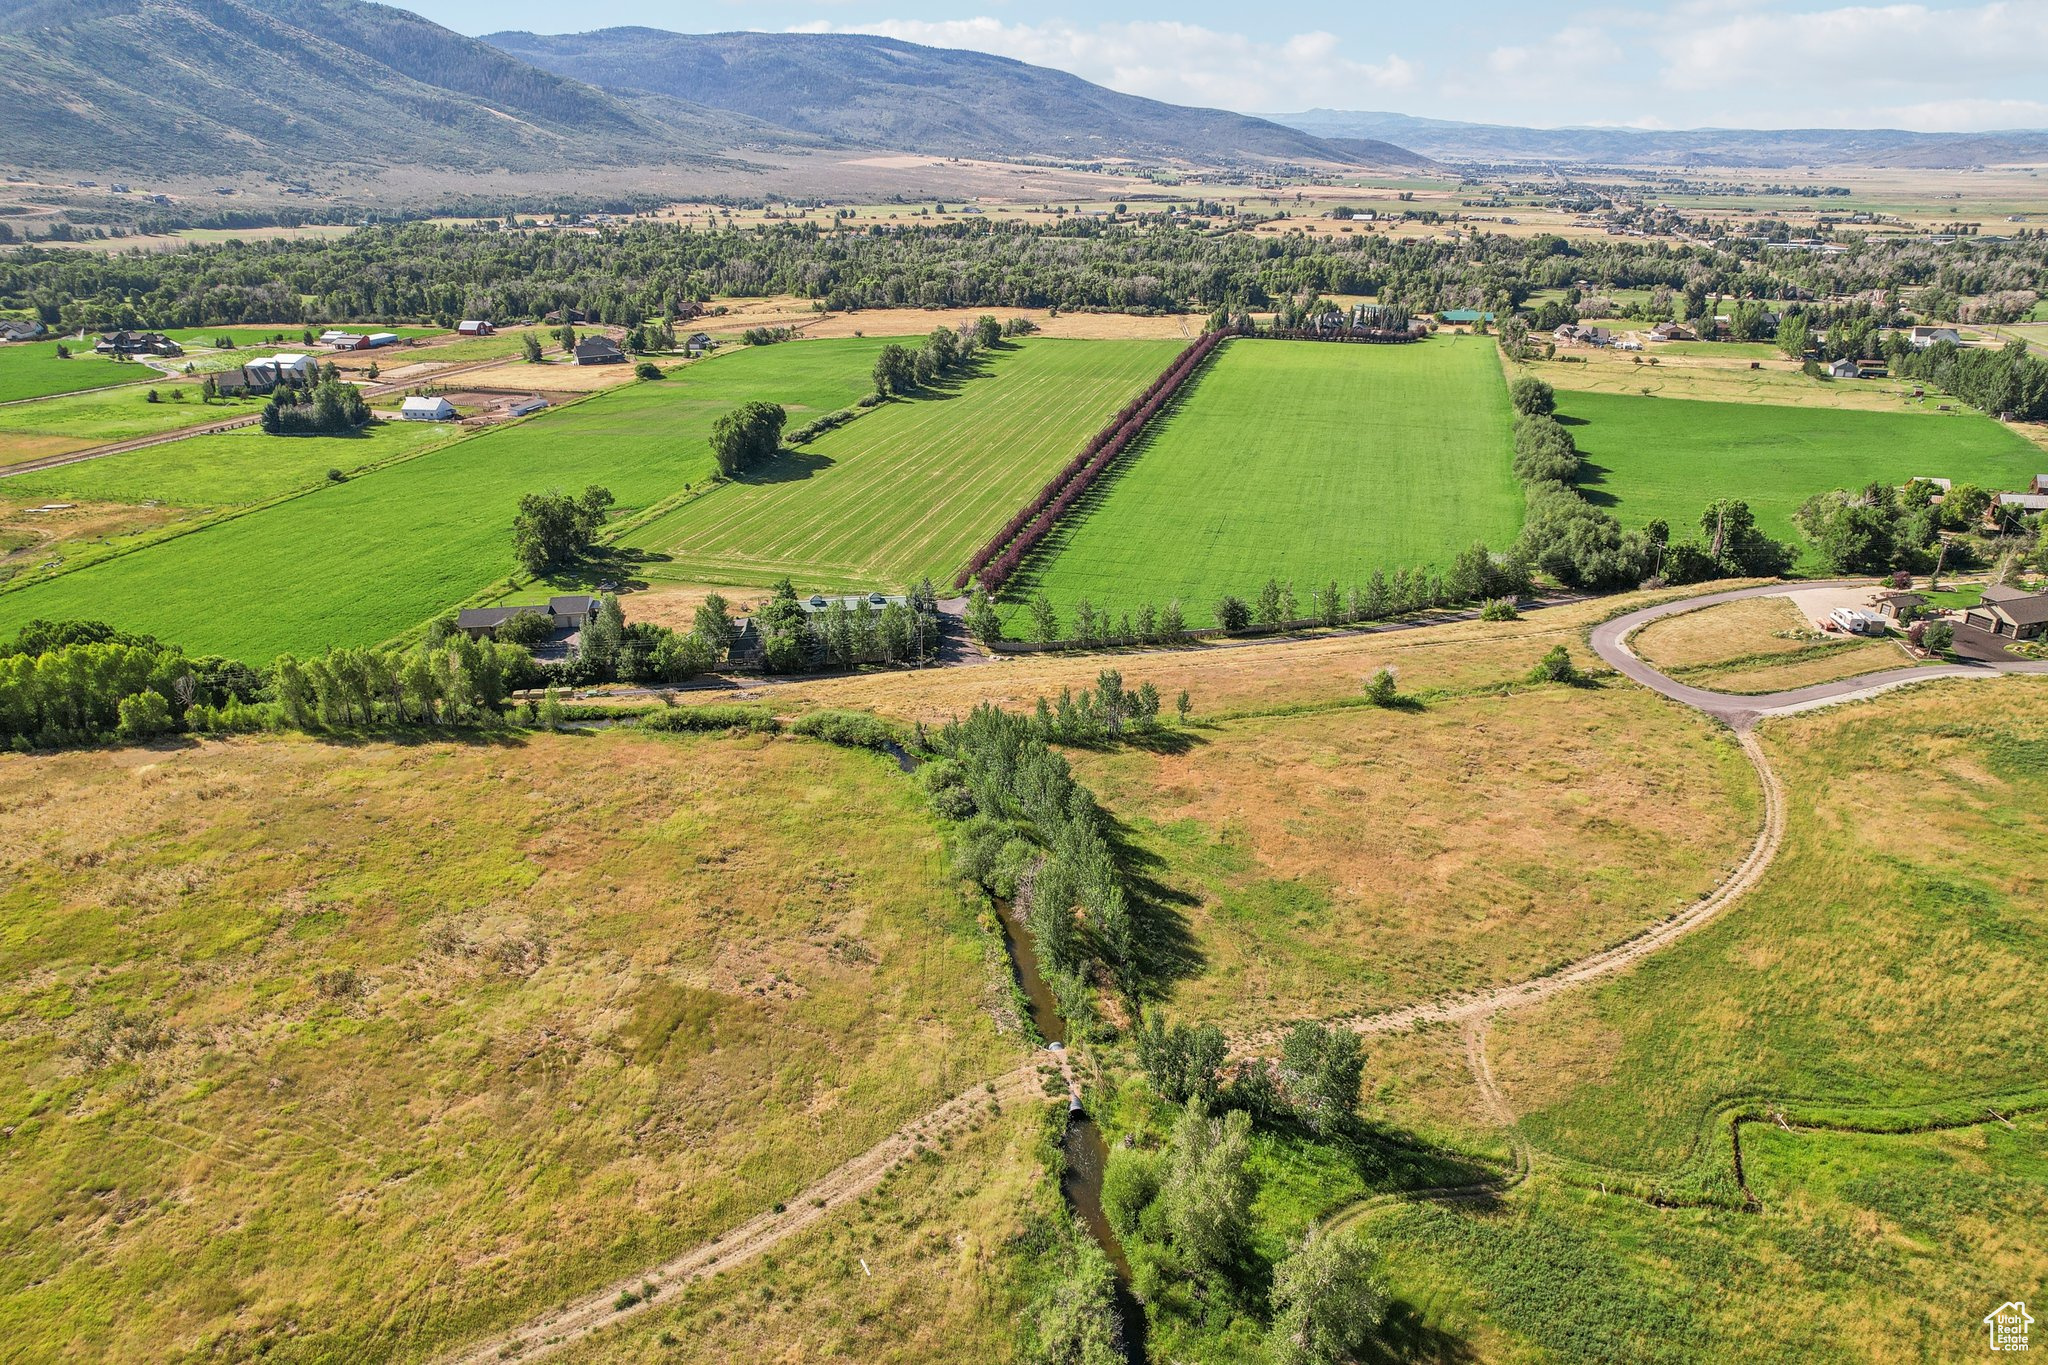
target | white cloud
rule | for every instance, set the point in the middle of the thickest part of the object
(1965, 115)
(1180, 63)
(1856, 48)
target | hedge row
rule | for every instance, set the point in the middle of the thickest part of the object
(998, 559)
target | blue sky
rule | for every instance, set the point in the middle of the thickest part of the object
(1935, 65)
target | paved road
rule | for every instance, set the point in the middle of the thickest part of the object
(1610, 642)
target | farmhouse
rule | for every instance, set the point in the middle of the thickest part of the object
(2010, 612)
(427, 410)
(20, 331)
(473, 327)
(1923, 337)
(599, 351)
(137, 343)
(566, 614)
(291, 366)
(244, 379)
(698, 341)
(1671, 331)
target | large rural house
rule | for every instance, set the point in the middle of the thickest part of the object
(2010, 612)
(566, 613)
(427, 410)
(599, 351)
(137, 343)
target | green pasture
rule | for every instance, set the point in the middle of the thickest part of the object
(1649, 458)
(75, 421)
(361, 561)
(32, 369)
(1299, 461)
(914, 487)
(1928, 819)
(228, 468)
(1865, 1247)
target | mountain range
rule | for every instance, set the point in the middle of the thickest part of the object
(1763, 149)
(213, 87)
(881, 92)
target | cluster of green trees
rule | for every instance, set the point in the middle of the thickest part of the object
(553, 530)
(650, 337)
(1879, 529)
(1033, 832)
(794, 640)
(900, 370)
(66, 683)
(332, 408)
(1108, 713)
(767, 336)
(1186, 1213)
(750, 434)
(1993, 381)
(1584, 546)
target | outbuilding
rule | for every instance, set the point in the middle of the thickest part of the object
(521, 407)
(474, 327)
(427, 410)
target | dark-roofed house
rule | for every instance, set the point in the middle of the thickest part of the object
(15, 330)
(567, 612)
(254, 380)
(599, 351)
(137, 343)
(2010, 612)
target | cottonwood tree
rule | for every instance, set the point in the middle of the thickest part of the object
(749, 434)
(1328, 1301)
(1209, 1189)
(1321, 1069)
(713, 625)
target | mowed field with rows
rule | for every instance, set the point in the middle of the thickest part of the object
(912, 488)
(1296, 460)
(358, 562)
(1649, 458)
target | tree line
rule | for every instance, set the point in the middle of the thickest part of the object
(628, 274)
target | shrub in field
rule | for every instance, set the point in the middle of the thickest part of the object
(1555, 666)
(697, 719)
(848, 729)
(1499, 609)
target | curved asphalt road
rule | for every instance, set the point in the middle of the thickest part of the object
(1610, 642)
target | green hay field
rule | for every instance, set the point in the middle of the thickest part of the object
(361, 561)
(1297, 461)
(229, 468)
(915, 487)
(32, 370)
(1668, 458)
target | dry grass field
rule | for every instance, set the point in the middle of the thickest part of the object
(1222, 679)
(1334, 861)
(327, 1052)
(550, 376)
(1719, 378)
(789, 311)
(1761, 644)
(942, 1241)
(29, 538)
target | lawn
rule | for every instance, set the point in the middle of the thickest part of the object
(31, 369)
(365, 560)
(79, 421)
(227, 468)
(356, 1052)
(913, 488)
(1887, 958)
(1299, 461)
(1333, 861)
(1664, 458)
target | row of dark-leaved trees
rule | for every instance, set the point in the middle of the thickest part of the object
(994, 562)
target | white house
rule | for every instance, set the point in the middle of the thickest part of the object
(291, 367)
(427, 410)
(1923, 337)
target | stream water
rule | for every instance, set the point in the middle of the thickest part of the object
(1087, 1154)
